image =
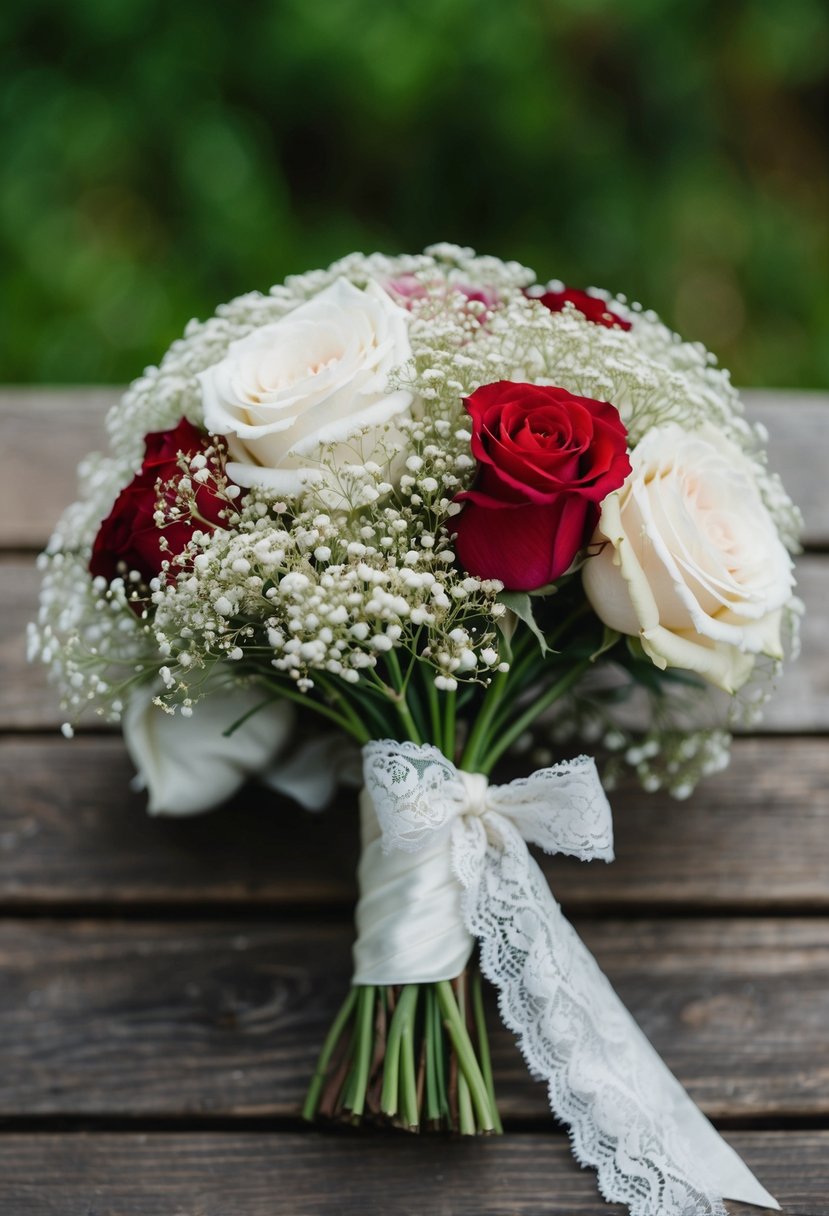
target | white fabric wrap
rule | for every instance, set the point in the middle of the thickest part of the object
(445, 861)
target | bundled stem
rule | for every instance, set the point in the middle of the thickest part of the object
(416, 1057)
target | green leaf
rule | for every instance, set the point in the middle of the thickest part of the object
(636, 649)
(644, 671)
(520, 605)
(506, 627)
(231, 730)
(609, 639)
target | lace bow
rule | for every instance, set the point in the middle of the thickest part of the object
(628, 1116)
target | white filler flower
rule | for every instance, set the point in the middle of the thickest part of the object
(318, 376)
(694, 566)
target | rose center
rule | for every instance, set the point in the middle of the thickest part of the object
(540, 434)
(314, 369)
(719, 528)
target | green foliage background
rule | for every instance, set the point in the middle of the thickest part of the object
(158, 158)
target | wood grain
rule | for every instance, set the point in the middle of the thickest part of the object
(798, 427)
(180, 1020)
(220, 1174)
(72, 834)
(27, 702)
(47, 431)
(209, 997)
(800, 703)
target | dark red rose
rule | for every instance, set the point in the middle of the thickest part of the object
(129, 538)
(589, 306)
(546, 459)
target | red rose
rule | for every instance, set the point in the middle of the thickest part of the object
(129, 538)
(592, 307)
(546, 459)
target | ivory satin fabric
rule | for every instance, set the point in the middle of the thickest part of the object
(409, 923)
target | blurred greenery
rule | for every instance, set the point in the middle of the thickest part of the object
(158, 158)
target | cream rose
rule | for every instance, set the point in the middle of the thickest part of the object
(317, 376)
(693, 564)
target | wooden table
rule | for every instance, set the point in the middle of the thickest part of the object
(164, 985)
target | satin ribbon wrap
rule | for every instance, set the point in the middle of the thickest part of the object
(445, 861)
(409, 919)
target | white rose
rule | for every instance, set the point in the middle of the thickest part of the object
(694, 566)
(187, 765)
(317, 376)
(310, 771)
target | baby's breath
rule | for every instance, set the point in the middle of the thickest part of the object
(356, 576)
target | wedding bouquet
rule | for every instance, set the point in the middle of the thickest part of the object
(429, 507)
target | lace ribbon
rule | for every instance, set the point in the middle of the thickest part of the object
(628, 1116)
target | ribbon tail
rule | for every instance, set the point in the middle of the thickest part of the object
(726, 1172)
(628, 1116)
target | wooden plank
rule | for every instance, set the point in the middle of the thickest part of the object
(33, 419)
(46, 432)
(801, 699)
(213, 1174)
(72, 832)
(798, 427)
(754, 836)
(176, 1020)
(800, 703)
(27, 702)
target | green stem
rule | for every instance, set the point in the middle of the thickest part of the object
(358, 729)
(400, 681)
(331, 1040)
(303, 699)
(582, 610)
(399, 700)
(405, 715)
(364, 1031)
(419, 715)
(433, 1111)
(434, 707)
(483, 1046)
(497, 708)
(507, 707)
(501, 695)
(372, 706)
(518, 680)
(450, 725)
(393, 664)
(231, 730)
(391, 1068)
(496, 750)
(349, 1088)
(440, 1059)
(466, 1117)
(408, 1076)
(478, 736)
(520, 667)
(465, 1054)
